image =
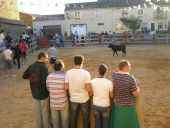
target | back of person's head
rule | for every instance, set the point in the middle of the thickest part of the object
(59, 65)
(123, 64)
(41, 55)
(78, 60)
(102, 69)
(51, 45)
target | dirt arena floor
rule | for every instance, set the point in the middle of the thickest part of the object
(150, 64)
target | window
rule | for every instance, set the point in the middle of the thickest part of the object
(82, 6)
(77, 14)
(169, 26)
(140, 12)
(100, 24)
(160, 26)
(152, 26)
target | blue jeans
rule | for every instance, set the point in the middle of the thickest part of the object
(60, 118)
(42, 113)
(62, 43)
(101, 115)
(75, 109)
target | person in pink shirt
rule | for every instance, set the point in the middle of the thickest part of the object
(23, 49)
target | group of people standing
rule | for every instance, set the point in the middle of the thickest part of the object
(15, 52)
(111, 101)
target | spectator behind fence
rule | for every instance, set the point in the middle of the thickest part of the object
(58, 96)
(102, 90)
(61, 39)
(124, 113)
(77, 81)
(37, 74)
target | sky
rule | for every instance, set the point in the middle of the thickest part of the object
(45, 7)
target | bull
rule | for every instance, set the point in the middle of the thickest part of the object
(118, 47)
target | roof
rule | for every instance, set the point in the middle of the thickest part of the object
(103, 4)
(161, 3)
(49, 17)
(12, 22)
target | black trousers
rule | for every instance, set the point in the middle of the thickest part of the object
(17, 61)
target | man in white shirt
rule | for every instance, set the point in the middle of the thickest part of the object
(102, 89)
(77, 81)
(52, 52)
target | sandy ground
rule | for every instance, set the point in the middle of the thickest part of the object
(151, 65)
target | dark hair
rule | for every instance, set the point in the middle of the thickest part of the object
(51, 45)
(78, 59)
(59, 64)
(123, 64)
(41, 55)
(102, 69)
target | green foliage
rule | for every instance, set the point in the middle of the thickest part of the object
(133, 23)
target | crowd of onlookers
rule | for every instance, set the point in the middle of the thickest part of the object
(14, 51)
(60, 96)
(57, 39)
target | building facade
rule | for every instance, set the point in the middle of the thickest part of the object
(105, 15)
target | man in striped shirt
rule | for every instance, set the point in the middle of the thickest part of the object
(126, 89)
(58, 96)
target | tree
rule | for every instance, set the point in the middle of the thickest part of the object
(133, 23)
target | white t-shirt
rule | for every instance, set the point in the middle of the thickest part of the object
(7, 54)
(52, 52)
(101, 91)
(77, 78)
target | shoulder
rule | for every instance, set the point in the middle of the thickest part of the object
(68, 72)
(85, 71)
(108, 81)
(51, 74)
(94, 80)
(132, 78)
(114, 74)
